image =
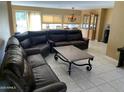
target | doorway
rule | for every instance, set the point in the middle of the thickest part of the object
(90, 25)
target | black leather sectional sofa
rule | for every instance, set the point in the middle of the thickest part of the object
(24, 65)
(46, 40)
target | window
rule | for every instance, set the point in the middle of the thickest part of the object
(52, 26)
(71, 26)
(52, 22)
(31, 21)
(21, 21)
(34, 21)
(26, 21)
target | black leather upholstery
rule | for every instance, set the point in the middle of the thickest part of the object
(32, 51)
(38, 37)
(53, 88)
(29, 72)
(66, 37)
(24, 64)
(28, 77)
(44, 49)
(24, 39)
(22, 36)
(26, 43)
(36, 60)
(62, 43)
(14, 62)
(57, 36)
(74, 35)
(12, 41)
(40, 40)
(44, 76)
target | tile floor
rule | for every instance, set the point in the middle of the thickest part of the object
(104, 77)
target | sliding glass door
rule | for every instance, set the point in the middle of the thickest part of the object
(28, 21)
(21, 21)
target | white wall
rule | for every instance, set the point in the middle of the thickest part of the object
(4, 26)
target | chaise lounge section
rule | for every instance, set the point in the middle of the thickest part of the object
(67, 37)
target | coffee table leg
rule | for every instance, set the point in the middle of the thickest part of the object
(55, 57)
(69, 70)
(90, 66)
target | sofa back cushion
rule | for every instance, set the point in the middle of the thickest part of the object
(74, 35)
(38, 37)
(57, 35)
(22, 71)
(14, 62)
(17, 49)
(24, 39)
(22, 36)
(13, 59)
(38, 40)
(26, 43)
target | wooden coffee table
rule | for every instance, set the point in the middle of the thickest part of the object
(71, 54)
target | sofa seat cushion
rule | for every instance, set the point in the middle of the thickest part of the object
(36, 60)
(44, 49)
(77, 42)
(41, 46)
(44, 76)
(38, 49)
(62, 43)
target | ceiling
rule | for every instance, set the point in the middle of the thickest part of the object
(67, 4)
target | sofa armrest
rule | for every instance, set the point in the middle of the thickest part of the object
(32, 51)
(55, 87)
(86, 39)
(121, 49)
(52, 44)
(12, 81)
